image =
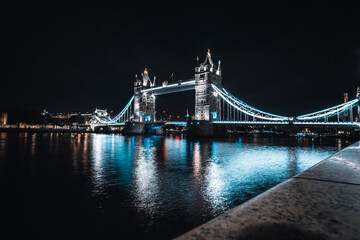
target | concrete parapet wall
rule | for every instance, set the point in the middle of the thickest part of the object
(321, 203)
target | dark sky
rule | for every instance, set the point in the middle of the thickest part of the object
(283, 58)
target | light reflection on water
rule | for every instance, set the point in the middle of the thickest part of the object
(159, 186)
(146, 178)
(219, 173)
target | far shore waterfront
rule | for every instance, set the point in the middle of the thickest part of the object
(87, 129)
(44, 130)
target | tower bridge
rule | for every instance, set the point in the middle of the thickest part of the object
(216, 109)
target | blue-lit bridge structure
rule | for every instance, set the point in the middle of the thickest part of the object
(215, 108)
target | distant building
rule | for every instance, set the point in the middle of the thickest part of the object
(3, 118)
(65, 117)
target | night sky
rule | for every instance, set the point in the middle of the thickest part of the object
(287, 59)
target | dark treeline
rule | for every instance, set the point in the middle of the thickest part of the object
(18, 115)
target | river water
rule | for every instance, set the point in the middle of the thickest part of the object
(98, 186)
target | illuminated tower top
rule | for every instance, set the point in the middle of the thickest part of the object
(145, 77)
(208, 65)
(145, 80)
(208, 59)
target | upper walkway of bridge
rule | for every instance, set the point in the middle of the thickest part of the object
(180, 86)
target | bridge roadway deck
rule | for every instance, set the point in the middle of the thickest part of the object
(295, 123)
(255, 123)
(320, 203)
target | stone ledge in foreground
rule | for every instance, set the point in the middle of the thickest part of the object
(320, 203)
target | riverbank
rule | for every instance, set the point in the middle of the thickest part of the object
(44, 130)
(351, 138)
(320, 203)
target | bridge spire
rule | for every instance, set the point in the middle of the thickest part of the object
(208, 59)
(358, 92)
(146, 78)
(152, 84)
(137, 81)
(218, 71)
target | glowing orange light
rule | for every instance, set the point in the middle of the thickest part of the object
(208, 53)
(146, 71)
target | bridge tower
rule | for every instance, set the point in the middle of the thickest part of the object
(207, 103)
(144, 104)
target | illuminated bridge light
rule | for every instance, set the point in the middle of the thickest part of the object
(247, 109)
(329, 112)
(235, 106)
